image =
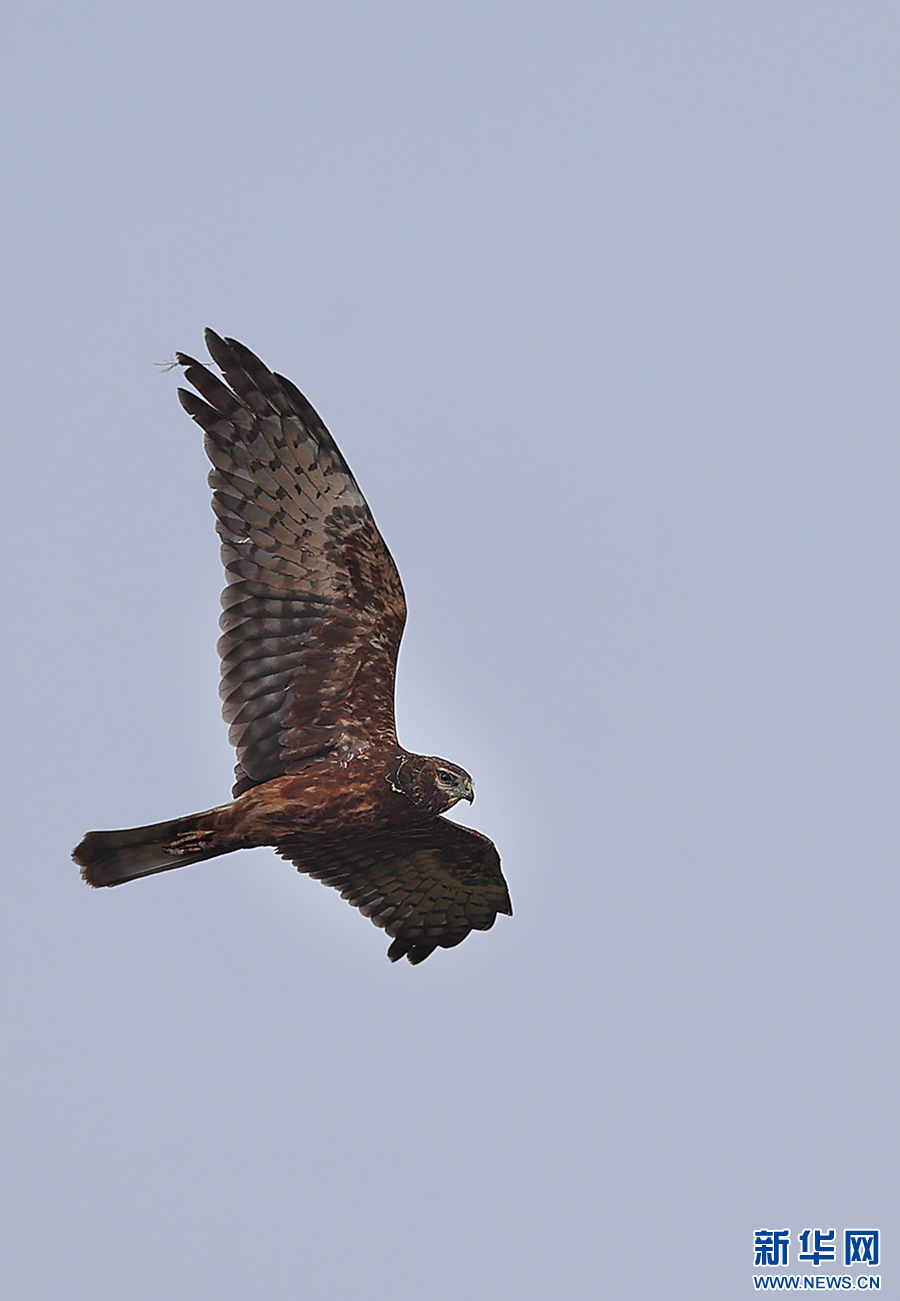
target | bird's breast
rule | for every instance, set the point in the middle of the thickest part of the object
(328, 799)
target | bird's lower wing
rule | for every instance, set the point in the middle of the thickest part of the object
(427, 885)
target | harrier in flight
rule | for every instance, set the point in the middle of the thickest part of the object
(313, 613)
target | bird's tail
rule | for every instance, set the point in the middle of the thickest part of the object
(111, 857)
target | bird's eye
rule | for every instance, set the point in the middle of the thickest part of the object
(448, 778)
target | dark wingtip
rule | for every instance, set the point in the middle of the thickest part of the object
(419, 952)
(414, 953)
(243, 356)
(193, 405)
(218, 349)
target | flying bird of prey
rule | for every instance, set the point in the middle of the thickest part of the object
(313, 613)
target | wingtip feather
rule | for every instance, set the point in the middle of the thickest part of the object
(213, 341)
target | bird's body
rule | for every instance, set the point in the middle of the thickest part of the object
(312, 620)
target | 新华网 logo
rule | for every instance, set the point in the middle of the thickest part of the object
(771, 1247)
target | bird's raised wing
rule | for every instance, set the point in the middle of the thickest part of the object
(427, 885)
(314, 609)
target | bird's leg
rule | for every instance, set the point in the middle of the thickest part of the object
(190, 842)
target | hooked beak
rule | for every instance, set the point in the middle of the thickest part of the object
(470, 795)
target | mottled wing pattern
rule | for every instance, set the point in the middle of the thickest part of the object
(427, 885)
(314, 609)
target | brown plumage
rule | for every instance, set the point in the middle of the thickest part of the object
(313, 613)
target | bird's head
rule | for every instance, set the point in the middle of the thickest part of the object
(434, 785)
